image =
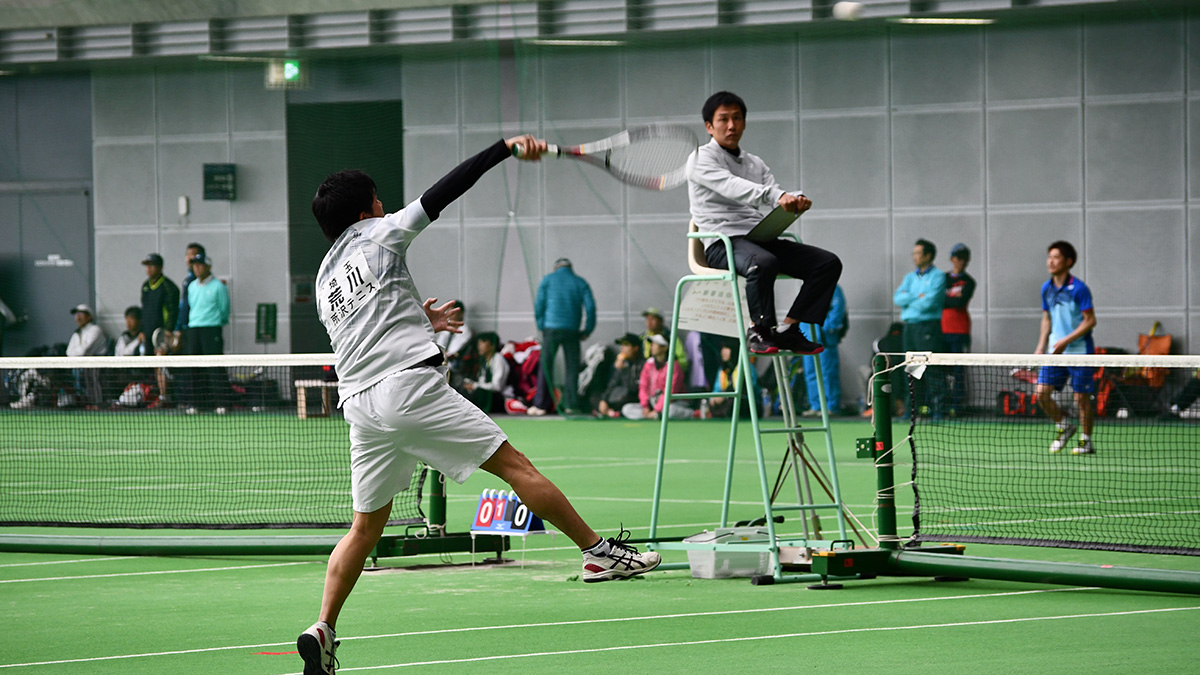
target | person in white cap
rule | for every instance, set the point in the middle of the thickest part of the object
(87, 340)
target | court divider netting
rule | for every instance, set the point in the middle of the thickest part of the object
(245, 442)
(986, 467)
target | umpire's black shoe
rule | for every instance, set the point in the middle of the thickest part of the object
(758, 343)
(792, 340)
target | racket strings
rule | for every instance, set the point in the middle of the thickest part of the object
(657, 162)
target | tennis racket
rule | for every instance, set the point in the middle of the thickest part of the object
(158, 340)
(651, 157)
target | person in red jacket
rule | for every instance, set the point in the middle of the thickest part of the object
(956, 321)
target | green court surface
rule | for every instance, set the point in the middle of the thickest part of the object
(104, 614)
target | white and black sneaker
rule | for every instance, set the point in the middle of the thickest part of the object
(318, 647)
(617, 560)
(1065, 432)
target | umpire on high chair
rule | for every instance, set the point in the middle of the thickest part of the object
(726, 187)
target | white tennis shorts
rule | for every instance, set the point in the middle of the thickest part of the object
(408, 416)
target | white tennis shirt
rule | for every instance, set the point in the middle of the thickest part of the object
(368, 303)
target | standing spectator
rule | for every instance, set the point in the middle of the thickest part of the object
(832, 332)
(208, 300)
(160, 299)
(160, 309)
(1067, 322)
(726, 187)
(921, 297)
(956, 321)
(656, 325)
(652, 385)
(87, 340)
(623, 382)
(130, 342)
(488, 388)
(564, 299)
(181, 322)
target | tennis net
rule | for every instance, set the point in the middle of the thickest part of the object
(249, 441)
(986, 468)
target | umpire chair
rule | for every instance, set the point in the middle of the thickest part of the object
(799, 461)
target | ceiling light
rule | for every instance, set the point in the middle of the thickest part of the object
(936, 21)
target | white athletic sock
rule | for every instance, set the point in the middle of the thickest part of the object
(599, 550)
(1083, 437)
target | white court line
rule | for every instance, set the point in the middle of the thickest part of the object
(755, 638)
(157, 572)
(550, 624)
(62, 562)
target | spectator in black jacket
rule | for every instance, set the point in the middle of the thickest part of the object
(623, 382)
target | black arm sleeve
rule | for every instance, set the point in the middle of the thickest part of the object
(461, 178)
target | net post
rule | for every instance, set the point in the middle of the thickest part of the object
(881, 421)
(437, 500)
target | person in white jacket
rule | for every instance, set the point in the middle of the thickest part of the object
(87, 340)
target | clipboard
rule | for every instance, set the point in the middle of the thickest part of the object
(773, 224)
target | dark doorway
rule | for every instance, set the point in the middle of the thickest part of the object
(324, 138)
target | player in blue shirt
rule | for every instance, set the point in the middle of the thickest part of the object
(1067, 323)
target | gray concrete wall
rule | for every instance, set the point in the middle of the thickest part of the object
(1003, 139)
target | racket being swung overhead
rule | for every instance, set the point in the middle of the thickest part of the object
(651, 157)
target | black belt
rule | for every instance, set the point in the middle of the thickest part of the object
(432, 362)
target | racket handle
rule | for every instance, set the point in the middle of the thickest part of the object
(518, 150)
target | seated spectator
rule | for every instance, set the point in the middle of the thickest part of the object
(87, 340)
(622, 389)
(130, 342)
(1181, 404)
(726, 379)
(656, 325)
(524, 364)
(697, 378)
(459, 349)
(127, 385)
(489, 387)
(652, 385)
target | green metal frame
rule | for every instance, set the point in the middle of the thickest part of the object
(791, 428)
(435, 540)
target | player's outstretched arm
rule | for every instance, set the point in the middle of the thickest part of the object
(460, 179)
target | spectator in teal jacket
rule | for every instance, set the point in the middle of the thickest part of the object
(831, 333)
(564, 300)
(921, 298)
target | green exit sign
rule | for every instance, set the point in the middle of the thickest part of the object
(287, 74)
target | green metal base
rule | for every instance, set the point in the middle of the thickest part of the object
(389, 545)
(921, 563)
(947, 563)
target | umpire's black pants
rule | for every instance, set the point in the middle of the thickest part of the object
(762, 262)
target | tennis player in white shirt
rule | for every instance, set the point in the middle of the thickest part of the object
(393, 388)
